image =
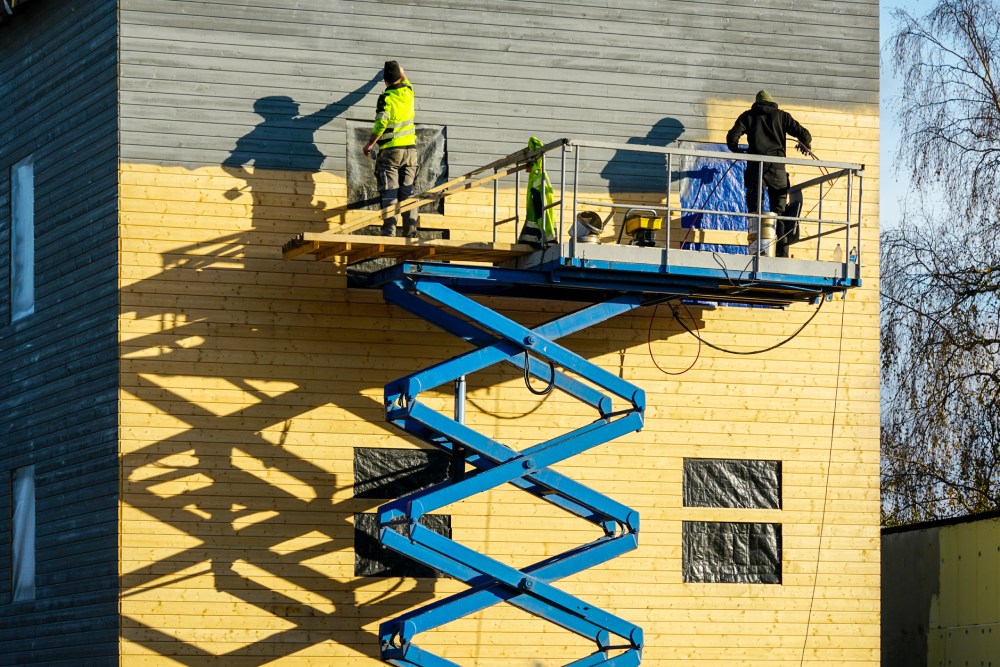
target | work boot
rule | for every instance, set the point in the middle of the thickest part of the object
(388, 230)
(411, 233)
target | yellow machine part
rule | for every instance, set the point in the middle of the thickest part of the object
(637, 223)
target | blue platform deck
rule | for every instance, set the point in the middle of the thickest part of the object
(580, 271)
(579, 274)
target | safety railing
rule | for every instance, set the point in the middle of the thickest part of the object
(837, 202)
(512, 164)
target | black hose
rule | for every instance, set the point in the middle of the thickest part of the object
(527, 377)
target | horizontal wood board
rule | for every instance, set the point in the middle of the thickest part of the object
(357, 248)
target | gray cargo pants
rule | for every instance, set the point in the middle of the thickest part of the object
(395, 172)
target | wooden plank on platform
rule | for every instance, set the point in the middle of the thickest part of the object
(304, 249)
(421, 253)
(357, 248)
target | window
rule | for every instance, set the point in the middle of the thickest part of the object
(432, 165)
(22, 240)
(731, 552)
(23, 558)
(371, 559)
(745, 483)
(386, 474)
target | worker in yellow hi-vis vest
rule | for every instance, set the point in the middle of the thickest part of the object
(540, 218)
(396, 134)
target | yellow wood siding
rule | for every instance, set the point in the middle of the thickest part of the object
(247, 381)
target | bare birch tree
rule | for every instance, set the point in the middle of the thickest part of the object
(940, 270)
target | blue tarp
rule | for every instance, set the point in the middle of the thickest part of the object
(716, 184)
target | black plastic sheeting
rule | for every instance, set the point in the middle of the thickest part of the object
(737, 483)
(387, 474)
(731, 553)
(357, 274)
(362, 191)
(371, 559)
(432, 166)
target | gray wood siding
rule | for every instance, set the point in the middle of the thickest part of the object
(493, 72)
(58, 366)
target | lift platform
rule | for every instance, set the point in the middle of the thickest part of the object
(438, 280)
(585, 272)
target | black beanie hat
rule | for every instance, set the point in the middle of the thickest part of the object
(392, 71)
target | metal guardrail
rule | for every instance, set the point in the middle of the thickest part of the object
(832, 172)
(566, 193)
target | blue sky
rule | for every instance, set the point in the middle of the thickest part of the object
(893, 184)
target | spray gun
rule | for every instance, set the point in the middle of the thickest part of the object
(805, 150)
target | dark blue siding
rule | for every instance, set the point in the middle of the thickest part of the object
(59, 366)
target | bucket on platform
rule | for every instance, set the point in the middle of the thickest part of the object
(768, 233)
(588, 227)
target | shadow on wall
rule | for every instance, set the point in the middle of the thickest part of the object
(640, 179)
(234, 375)
(238, 531)
(285, 141)
(629, 173)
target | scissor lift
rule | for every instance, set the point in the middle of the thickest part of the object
(618, 409)
(610, 280)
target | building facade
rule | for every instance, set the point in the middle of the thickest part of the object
(202, 421)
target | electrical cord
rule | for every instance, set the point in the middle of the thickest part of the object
(823, 170)
(725, 271)
(527, 376)
(748, 352)
(826, 486)
(649, 344)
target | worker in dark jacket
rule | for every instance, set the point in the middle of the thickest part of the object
(396, 134)
(766, 126)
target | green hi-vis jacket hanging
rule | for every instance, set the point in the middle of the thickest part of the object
(394, 117)
(540, 222)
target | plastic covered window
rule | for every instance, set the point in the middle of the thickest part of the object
(23, 557)
(22, 241)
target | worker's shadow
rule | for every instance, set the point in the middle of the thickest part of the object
(634, 176)
(257, 523)
(637, 179)
(285, 160)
